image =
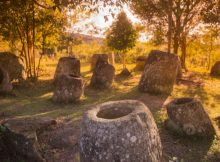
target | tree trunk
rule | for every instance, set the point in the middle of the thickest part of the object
(33, 41)
(175, 43)
(29, 68)
(169, 34)
(210, 52)
(123, 61)
(183, 50)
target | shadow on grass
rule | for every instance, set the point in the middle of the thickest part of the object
(35, 89)
(36, 101)
(185, 148)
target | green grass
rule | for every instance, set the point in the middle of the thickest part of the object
(34, 100)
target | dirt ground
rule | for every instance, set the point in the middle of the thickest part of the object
(60, 143)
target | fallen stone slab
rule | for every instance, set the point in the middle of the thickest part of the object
(21, 137)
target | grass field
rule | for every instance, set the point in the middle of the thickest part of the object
(34, 100)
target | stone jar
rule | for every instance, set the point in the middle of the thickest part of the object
(68, 89)
(67, 66)
(188, 116)
(160, 73)
(103, 75)
(5, 83)
(119, 131)
(13, 65)
(96, 57)
(215, 71)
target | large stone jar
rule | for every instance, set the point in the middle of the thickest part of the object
(160, 73)
(103, 75)
(96, 57)
(68, 89)
(215, 71)
(11, 63)
(68, 66)
(120, 131)
(5, 83)
(187, 115)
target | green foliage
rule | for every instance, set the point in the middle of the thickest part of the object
(34, 24)
(85, 50)
(211, 13)
(49, 25)
(158, 36)
(204, 49)
(122, 35)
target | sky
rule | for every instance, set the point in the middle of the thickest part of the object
(97, 24)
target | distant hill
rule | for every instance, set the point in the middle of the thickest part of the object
(88, 38)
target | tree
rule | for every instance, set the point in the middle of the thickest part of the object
(159, 37)
(211, 14)
(209, 37)
(176, 16)
(68, 40)
(122, 36)
(26, 21)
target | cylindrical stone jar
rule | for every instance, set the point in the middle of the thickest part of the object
(68, 89)
(119, 131)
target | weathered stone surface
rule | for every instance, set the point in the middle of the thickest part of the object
(187, 115)
(103, 75)
(215, 71)
(119, 131)
(68, 89)
(12, 65)
(68, 66)
(140, 63)
(97, 57)
(5, 83)
(160, 73)
(20, 137)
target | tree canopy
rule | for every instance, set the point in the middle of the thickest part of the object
(34, 24)
(178, 16)
(122, 35)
